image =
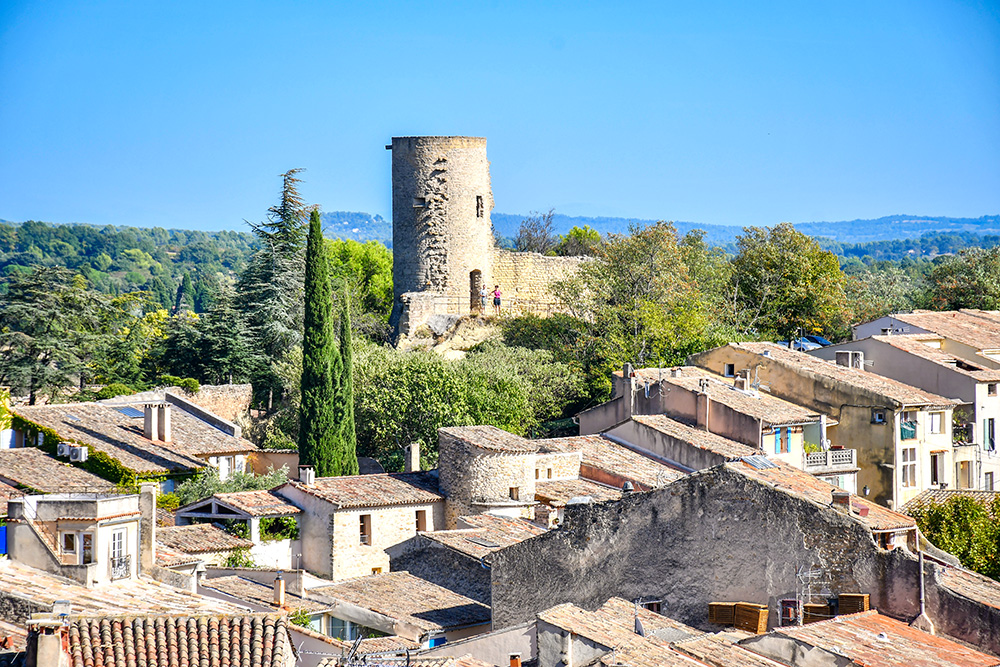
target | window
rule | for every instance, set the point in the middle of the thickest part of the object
(515, 493)
(69, 543)
(730, 370)
(538, 473)
(366, 529)
(419, 202)
(436, 641)
(991, 389)
(341, 629)
(549, 471)
(480, 207)
(87, 545)
(376, 570)
(937, 422)
(909, 470)
(781, 438)
(937, 469)
(225, 467)
(988, 481)
(421, 520)
(652, 605)
(878, 416)
(118, 543)
(989, 435)
(786, 437)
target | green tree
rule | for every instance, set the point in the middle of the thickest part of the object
(223, 345)
(783, 281)
(207, 483)
(579, 241)
(320, 416)
(49, 327)
(348, 444)
(966, 528)
(134, 326)
(185, 294)
(366, 269)
(970, 279)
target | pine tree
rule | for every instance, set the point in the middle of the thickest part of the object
(348, 441)
(319, 421)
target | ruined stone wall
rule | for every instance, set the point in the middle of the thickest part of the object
(228, 401)
(526, 278)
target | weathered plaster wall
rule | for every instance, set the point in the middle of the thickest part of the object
(494, 648)
(667, 446)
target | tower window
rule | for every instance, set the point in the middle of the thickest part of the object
(480, 206)
(419, 202)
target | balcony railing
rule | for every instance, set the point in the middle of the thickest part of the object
(907, 430)
(121, 567)
(831, 460)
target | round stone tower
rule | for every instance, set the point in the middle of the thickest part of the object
(441, 233)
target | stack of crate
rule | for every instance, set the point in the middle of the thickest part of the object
(853, 603)
(815, 612)
(722, 613)
(751, 617)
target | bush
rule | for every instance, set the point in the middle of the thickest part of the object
(207, 483)
(168, 501)
(114, 389)
(279, 528)
(239, 558)
(190, 385)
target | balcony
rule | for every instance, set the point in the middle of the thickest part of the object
(830, 461)
(908, 430)
(121, 567)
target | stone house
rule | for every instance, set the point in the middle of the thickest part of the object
(970, 334)
(168, 440)
(902, 434)
(91, 538)
(921, 360)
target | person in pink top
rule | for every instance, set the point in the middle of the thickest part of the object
(496, 300)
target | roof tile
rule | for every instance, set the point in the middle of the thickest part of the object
(374, 490)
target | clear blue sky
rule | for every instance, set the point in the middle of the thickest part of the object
(182, 114)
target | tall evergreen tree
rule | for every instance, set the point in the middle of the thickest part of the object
(319, 421)
(348, 441)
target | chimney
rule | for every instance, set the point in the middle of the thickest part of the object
(147, 526)
(412, 454)
(628, 390)
(150, 427)
(842, 500)
(307, 475)
(279, 590)
(164, 422)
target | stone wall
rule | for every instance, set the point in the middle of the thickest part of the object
(526, 278)
(559, 465)
(390, 527)
(718, 535)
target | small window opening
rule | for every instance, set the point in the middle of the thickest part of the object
(515, 493)
(549, 471)
(421, 520)
(730, 370)
(878, 416)
(991, 389)
(69, 543)
(653, 606)
(376, 570)
(538, 473)
(480, 206)
(366, 529)
(419, 202)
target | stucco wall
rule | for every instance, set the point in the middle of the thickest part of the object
(666, 446)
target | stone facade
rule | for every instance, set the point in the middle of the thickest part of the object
(443, 245)
(389, 527)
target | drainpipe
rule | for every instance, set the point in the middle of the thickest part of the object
(922, 621)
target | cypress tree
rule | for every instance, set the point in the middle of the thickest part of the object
(319, 421)
(348, 443)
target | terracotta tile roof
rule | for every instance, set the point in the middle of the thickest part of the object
(696, 437)
(200, 538)
(258, 503)
(107, 429)
(607, 628)
(120, 597)
(31, 467)
(382, 644)
(262, 595)
(407, 598)
(608, 456)
(258, 639)
(482, 534)
(623, 612)
(408, 488)
(418, 660)
(891, 390)
(13, 638)
(559, 492)
(972, 585)
(491, 439)
(6, 493)
(914, 344)
(803, 485)
(165, 517)
(856, 636)
(719, 650)
(931, 497)
(758, 405)
(977, 328)
(168, 557)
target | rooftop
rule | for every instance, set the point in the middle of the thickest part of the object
(696, 437)
(6, 493)
(108, 429)
(931, 497)
(258, 639)
(258, 503)
(719, 650)
(123, 597)
(869, 638)
(409, 599)
(482, 534)
(891, 390)
(406, 488)
(915, 344)
(491, 439)
(758, 405)
(977, 328)
(262, 595)
(972, 585)
(559, 492)
(200, 538)
(608, 456)
(803, 485)
(32, 468)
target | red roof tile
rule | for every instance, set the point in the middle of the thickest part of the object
(200, 538)
(258, 503)
(559, 492)
(492, 439)
(696, 437)
(408, 488)
(480, 531)
(32, 468)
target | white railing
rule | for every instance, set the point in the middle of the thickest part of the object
(832, 459)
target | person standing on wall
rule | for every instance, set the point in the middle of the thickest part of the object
(496, 300)
(483, 295)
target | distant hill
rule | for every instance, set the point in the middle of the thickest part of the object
(357, 227)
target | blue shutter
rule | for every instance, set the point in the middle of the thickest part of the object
(777, 441)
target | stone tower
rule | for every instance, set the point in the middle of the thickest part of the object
(441, 233)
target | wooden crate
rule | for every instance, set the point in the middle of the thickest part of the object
(751, 617)
(853, 603)
(722, 613)
(815, 612)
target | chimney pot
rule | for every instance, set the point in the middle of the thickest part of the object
(150, 427)
(412, 456)
(842, 499)
(163, 422)
(279, 590)
(307, 475)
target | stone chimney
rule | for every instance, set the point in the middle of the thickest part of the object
(307, 475)
(150, 422)
(147, 526)
(841, 500)
(412, 454)
(703, 405)
(163, 430)
(628, 389)
(279, 590)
